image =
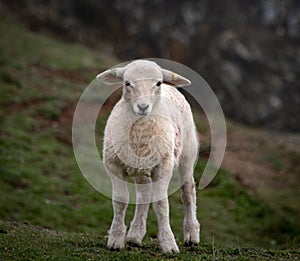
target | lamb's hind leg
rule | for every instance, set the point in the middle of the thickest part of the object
(137, 229)
(191, 226)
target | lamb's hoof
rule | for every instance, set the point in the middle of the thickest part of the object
(169, 247)
(116, 237)
(133, 244)
(190, 244)
(116, 243)
(114, 249)
(171, 250)
(191, 233)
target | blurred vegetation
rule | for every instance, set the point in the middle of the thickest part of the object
(41, 80)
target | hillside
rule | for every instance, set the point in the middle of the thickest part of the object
(25, 242)
(251, 202)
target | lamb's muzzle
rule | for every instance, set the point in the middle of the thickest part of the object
(143, 109)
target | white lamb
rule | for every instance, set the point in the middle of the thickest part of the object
(150, 131)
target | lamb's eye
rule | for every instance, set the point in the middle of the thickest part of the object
(127, 83)
(158, 83)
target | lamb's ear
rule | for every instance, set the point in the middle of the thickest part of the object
(111, 76)
(174, 78)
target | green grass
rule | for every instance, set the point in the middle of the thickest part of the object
(41, 79)
(25, 242)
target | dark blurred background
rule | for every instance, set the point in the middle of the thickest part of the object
(248, 51)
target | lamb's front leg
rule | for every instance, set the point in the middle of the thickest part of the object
(137, 229)
(166, 237)
(117, 232)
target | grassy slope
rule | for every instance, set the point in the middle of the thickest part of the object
(40, 80)
(40, 180)
(22, 241)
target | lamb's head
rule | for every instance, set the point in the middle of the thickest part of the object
(142, 82)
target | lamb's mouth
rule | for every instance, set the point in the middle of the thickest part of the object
(143, 113)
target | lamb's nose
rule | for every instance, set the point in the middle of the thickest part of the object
(143, 106)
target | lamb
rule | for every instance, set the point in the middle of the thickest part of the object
(149, 132)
